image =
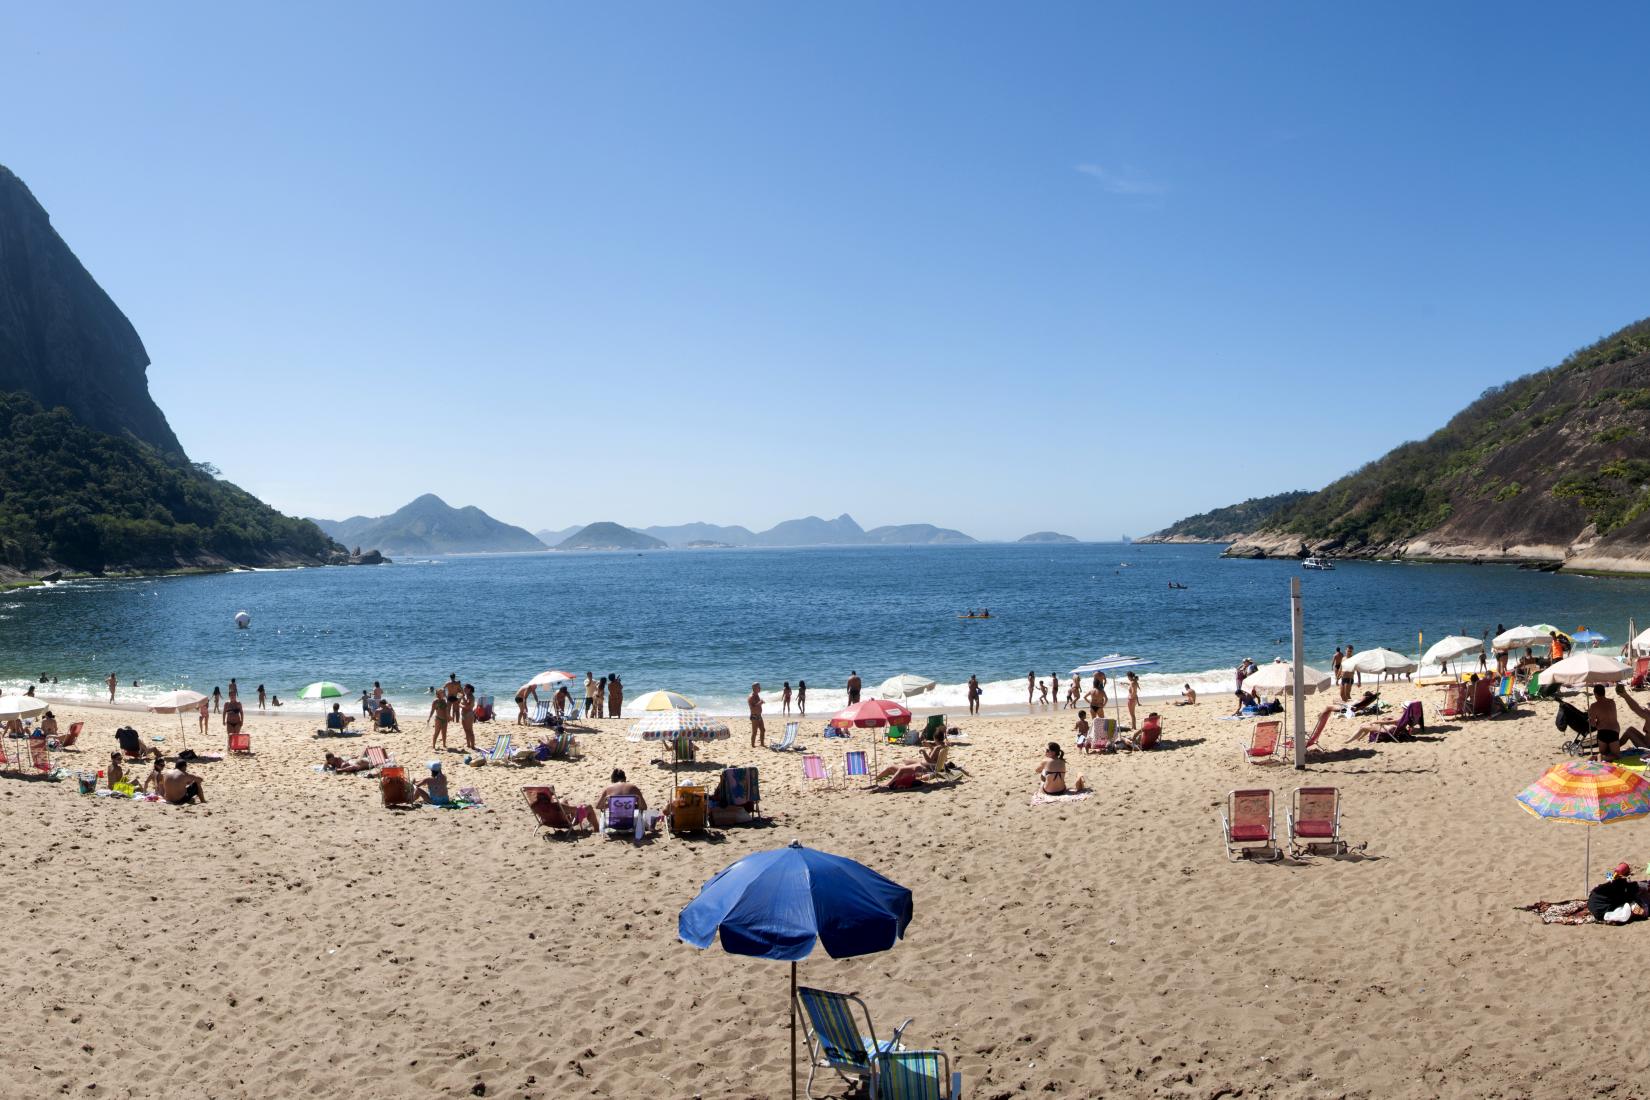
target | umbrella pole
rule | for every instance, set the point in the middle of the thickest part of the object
(793, 1030)
(1587, 867)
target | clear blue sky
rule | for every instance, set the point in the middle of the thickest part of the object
(1087, 267)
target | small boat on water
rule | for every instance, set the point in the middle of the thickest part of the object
(1315, 562)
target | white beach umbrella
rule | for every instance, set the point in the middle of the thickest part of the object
(661, 700)
(1520, 637)
(20, 706)
(903, 685)
(1448, 649)
(1377, 661)
(176, 702)
(1642, 641)
(1279, 676)
(1586, 668)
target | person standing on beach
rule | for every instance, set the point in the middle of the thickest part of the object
(615, 695)
(233, 716)
(785, 700)
(234, 690)
(205, 715)
(112, 682)
(467, 715)
(601, 696)
(217, 700)
(853, 688)
(589, 694)
(759, 731)
(1031, 688)
(1097, 700)
(802, 698)
(1054, 688)
(262, 696)
(973, 695)
(1134, 697)
(1335, 665)
(438, 714)
(1042, 693)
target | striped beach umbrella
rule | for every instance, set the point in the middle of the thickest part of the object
(673, 725)
(1587, 792)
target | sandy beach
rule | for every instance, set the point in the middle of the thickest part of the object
(294, 938)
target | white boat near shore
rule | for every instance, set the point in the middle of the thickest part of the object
(1316, 562)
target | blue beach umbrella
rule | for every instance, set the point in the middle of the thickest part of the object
(1588, 638)
(778, 904)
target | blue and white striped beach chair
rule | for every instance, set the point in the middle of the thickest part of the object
(788, 741)
(835, 1039)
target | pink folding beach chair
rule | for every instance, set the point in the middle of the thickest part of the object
(39, 759)
(1410, 720)
(1315, 820)
(1455, 700)
(1246, 825)
(1263, 743)
(814, 770)
(1312, 741)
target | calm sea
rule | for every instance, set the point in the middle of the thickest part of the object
(708, 623)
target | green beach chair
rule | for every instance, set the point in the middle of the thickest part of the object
(835, 1039)
(914, 1075)
(500, 752)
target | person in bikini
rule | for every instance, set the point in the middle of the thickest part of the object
(759, 729)
(1602, 718)
(1051, 772)
(438, 715)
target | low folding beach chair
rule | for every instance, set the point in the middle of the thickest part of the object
(549, 812)
(1263, 743)
(395, 788)
(1409, 720)
(484, 708)
(1455, 700)
(1314, 820)
(788, 741)
(835, 1040)
(1312, 741)
(1246, 824)
(540, 715)
(738, 789)
(854, 765)
(934, 727)
(500, 752)
(377, 756)
(691, 812)
(814, 770)
(914, 1075)
(621, 815)
(67, 740)
(39, 758)
(1641, 674)
(240, 742)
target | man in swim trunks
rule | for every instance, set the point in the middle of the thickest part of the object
(853, 688)
(178, 787)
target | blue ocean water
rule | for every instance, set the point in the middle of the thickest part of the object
(708, 623)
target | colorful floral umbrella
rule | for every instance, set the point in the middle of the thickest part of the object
(1587, 792)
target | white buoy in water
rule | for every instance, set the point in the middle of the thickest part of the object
(242, 619)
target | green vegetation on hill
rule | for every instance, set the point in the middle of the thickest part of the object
(73, 496)
(1560, 430)
(1243, 518)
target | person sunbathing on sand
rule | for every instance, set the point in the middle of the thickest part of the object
(1615, 893)
(343, 767)
(1366, 705)
(1051, 772)
(178, 787)
(1188, 697)
(433, 788)
(907, 773)
(1602, 718)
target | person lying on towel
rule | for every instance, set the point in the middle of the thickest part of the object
(1617, 900)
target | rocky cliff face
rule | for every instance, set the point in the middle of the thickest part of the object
(62, 340)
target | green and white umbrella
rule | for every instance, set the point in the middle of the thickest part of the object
(323, 689)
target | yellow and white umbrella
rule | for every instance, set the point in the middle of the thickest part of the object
(661, 700)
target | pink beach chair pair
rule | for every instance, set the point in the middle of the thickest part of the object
(1313, 822)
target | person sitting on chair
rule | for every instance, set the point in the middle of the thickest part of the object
(1051, 772)
(620, 787)
(386, 716)
(131, 744)
(338, 721)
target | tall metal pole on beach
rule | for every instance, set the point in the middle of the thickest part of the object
(1298, 702)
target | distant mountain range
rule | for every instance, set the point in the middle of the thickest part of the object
(429, 525)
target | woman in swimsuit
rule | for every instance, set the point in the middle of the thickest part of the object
(1134, 697)
(438, 712)
(1051, 771)
(467, 715)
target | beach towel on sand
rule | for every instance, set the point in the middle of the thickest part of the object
(1561, 912)
(1042, 798)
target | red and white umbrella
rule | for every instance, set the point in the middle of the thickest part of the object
(872, 713)
(554, 677)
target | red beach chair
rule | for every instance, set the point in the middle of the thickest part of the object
(68, 740)
(1455, 700)
(549, 812)
(1317, 732)
(1315, 820)
(1641, 673)
(395, 788)
(1246, 825)
(1263, 743)
(240, 742)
